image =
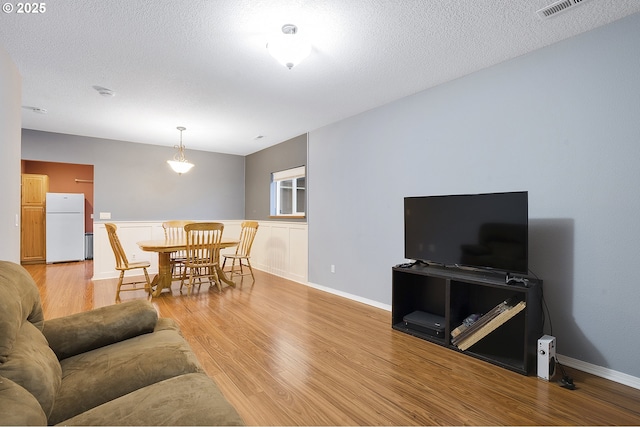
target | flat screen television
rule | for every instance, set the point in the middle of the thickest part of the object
(482, 231)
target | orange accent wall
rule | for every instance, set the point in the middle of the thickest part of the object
(62, 179)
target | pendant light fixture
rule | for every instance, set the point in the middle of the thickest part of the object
(179, 163)
(289, 48)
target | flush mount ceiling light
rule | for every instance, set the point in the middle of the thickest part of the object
(180, 164)
(37, 110)
(289, 48)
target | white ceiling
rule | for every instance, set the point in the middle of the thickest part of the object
(203, 64)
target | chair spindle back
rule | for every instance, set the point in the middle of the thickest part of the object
(121, 258)
(247, 235)
(203, 243)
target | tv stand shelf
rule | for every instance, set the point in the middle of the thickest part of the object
(454, 294)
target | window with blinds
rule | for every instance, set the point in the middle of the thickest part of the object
(288, 192)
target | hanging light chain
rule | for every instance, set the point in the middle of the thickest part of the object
(179, 163)
(179, 156)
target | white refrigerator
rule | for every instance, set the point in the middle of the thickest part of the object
(65, 227)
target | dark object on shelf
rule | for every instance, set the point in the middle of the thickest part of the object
(466, 323)
(430, 324)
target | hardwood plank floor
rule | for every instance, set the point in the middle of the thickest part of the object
(287, 354)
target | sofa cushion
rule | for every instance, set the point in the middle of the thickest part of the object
(81, 332)
(98, 376)
(34, 366)
(18, 407)
(190, 399)
(19, 302)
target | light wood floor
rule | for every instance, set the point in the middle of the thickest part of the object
(286, 354)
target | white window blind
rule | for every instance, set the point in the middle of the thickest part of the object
(298, 172)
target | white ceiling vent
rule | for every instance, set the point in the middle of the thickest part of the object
(557, 7)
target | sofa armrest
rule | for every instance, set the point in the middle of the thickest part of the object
(82, 332)
(18, 407)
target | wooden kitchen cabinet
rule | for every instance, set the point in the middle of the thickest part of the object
(33, 218)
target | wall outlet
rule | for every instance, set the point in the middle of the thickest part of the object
(333, 268)
(105, 215)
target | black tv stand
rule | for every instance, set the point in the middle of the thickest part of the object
(455, 293)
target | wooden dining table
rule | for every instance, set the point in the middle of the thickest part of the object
(164, 248)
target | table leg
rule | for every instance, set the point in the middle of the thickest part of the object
(154, 282)
(164, 273)
(222, 276)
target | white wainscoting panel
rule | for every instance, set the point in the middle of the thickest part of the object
(128, 233)
(280, 248)
(299, 253)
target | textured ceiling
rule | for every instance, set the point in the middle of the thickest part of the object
(203, 64)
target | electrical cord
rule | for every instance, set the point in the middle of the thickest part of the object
(566, 381)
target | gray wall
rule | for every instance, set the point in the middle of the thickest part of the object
(562, 122)
(134, 183)
(10, 121)
(288, 154)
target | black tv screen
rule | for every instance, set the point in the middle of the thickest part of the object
(485, 231)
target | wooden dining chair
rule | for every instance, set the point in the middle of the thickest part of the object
(243, 250)
(123, 265)
(174, 230)
(203, 253)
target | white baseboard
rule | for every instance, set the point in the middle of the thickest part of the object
(352, 297)
(599, 371)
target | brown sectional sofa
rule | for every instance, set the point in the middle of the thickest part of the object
(116, 365)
